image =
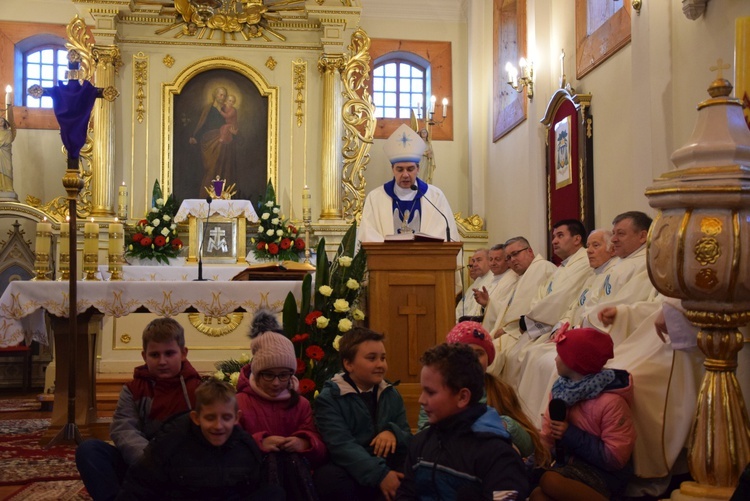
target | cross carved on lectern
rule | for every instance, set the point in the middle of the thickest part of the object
(412, 310)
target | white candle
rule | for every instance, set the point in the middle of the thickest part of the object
(122, 201)
(8, 95)
(65, 237)
(91, 239)
(445, 107)
(43, 237)
(116, 235)
(432, 104)
(305, 198)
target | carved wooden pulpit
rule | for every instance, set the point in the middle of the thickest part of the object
(410, 299)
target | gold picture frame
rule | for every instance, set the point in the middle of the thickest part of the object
(597, 40)
(509, 42)
(185, 104)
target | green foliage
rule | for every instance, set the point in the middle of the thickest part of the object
(155, 236)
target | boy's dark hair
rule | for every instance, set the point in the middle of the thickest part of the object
(349, 342)
(163, 330)
(212, 391)
(575, 227)
(459, 366)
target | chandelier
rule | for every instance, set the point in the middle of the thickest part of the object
(249, 18)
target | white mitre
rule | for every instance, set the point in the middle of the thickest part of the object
(404, 145)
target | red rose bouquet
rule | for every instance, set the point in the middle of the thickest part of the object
(155, 236)
(277, 238)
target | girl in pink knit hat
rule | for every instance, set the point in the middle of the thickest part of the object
(274, 414)
(591, 428)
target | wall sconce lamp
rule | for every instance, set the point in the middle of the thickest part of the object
(526, 79)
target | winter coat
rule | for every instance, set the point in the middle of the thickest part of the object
(465, 456)
(181, 464)
(145, 403)
(347, 428)
(262, 418)
(600, 430)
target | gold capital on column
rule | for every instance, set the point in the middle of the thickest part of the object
(331, 67)
(107, 62)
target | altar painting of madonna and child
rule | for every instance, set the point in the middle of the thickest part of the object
(220, 129)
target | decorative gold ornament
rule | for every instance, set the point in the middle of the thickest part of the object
(215, 326)
(711, 226)
(41, 266)
(249, 18)
(218, 189)
(358, 114)
(706, 279)
(707, 250)
(299, 80)
(125, 338)
(271, 63)
(140, 77)
(168, 61)
(471, 223)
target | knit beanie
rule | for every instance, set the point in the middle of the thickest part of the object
(269, 347)
(585, 350)
(472, 333)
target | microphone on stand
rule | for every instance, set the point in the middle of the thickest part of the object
(557, 412)
(203, 241)
(414, 187)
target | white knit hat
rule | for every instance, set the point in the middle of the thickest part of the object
(404, 145)
(271, 350)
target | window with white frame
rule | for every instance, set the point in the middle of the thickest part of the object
(400, 84)
(43, 66)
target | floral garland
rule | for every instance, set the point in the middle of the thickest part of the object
(277, 239)
(155, 237)
(316, 328)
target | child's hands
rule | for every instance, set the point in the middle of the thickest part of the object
(384, 443)
(294, 444)
(390, 484)
(272, 442)
(557, 429)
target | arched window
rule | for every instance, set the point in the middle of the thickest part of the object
(43, 66)
(400, 83)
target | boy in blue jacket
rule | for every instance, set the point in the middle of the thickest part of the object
(362, 420)
(466, 453)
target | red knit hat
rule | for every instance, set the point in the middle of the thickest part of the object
(585, 350)
(472, 333)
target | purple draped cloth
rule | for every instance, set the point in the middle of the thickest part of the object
(73, 103)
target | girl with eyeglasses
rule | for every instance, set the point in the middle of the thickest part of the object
(274, 414)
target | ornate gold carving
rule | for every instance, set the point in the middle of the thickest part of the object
(140, 77)
(80, 42)
(706, 278)
(168, 61)
(299, 80)
(710, 318)
(125, 338)
(707, 250)
(471, 223)
(215, 326)
(107, 55)
(330, 62)
(589, 130)
(711, 226)
(271, 63)
(358, 114)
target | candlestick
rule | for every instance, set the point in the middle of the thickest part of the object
(116, 236)
(445, 107)
(122, 201)
(8, 95)
(64, 244)
(43, 243)
(90, 250)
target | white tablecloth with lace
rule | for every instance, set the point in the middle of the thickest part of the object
(23, 304)
(198, 208)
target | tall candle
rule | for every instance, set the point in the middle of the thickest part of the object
(8, 95)
(445, 107)
(305, 198)
(116, 235)
(432, 104)
(122, 201)
(91, 239)
(64, 241)
(43, 237)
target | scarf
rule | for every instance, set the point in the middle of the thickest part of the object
(589, 387)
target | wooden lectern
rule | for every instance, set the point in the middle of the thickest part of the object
(410, 299)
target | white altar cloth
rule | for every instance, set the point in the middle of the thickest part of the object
(198, 208)
(23, 303)
(174, 273)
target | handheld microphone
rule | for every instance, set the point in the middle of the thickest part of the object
(414, 187)
(558, 410)
(203, 241)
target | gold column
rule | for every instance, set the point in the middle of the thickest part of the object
(331, 66)
(107, 59)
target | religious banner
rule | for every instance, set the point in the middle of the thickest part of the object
(562, 154)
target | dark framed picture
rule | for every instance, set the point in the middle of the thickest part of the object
(509, 41)
(570, 169)
(221, 121)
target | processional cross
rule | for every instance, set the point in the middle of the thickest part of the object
(72, 103)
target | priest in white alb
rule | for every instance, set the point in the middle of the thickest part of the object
(494, 299)
(406, 204)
